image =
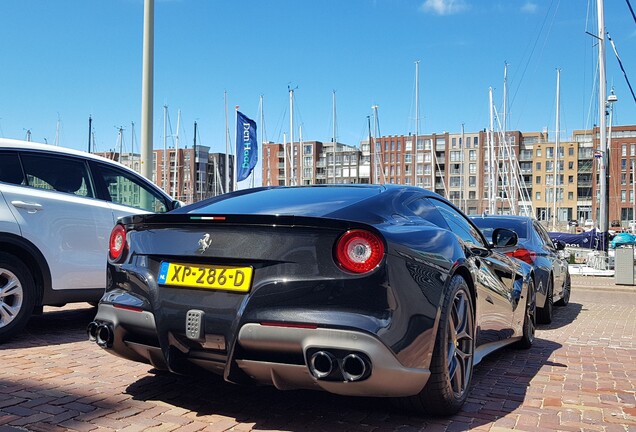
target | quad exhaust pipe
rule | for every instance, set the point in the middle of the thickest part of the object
(102, 334)
(350, 367)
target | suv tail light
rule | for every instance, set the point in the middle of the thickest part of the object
(359, 251)
(524, 255)
(117, 244)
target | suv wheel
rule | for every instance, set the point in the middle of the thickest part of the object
(17, 295)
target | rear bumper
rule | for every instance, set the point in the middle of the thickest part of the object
(274, 355)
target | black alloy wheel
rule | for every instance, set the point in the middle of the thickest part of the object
(529, 319)
(567, 288)
(453, 356)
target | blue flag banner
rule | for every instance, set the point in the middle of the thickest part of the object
(246, 146)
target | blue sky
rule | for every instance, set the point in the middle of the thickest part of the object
(63, 60)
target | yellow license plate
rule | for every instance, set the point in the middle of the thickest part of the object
(205, 276)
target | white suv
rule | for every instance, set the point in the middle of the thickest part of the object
(57, 209)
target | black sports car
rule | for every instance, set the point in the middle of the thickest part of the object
(535, 247)
(362, 290)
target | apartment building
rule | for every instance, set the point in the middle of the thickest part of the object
(311, 162)
(184, 175)
(621, 184)
(476, 171)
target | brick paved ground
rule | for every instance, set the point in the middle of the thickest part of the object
(579, 376)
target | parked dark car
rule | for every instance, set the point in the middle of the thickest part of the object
(535, 247)
(358, 290)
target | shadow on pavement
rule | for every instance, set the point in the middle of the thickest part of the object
(499, 387)
(55, 326)
(563, 315)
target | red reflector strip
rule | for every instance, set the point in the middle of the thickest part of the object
(129, 308)
(292, 325)
(213, 218)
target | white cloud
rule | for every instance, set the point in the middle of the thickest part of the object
(444, 7)
(529, 7)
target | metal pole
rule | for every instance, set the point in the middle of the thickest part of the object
(147, 89)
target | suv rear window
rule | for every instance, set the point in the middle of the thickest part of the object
(10, 168)
(67, 175)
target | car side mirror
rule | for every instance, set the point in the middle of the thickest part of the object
(176, 204)
(502, 237)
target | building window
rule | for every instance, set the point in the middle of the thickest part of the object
(570, 165)
(538, 152)
(623, 195)
(570, 179)
(624, 150)
(538, 196)
(472, 168)
(538, 165)
(537, 179)
(408, 146)
(571, 151)
(570, 196)
(472, 181)
(472, 155)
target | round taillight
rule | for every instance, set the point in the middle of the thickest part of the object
(359, 251)
(117, 244)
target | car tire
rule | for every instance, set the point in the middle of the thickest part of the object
(567, 288)
(544, 314)
(17, 295)
(529, 319)
(453, 355)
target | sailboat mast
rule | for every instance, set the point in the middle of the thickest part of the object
(262, 131)
(602, 90)
(333, 162)
(90, 132)
(291, 137)
(491, 159)
(227, 147)
(556, 151)
(286, 159)
(194, 179)
(165, 146)
(417, 116)
(176, 156)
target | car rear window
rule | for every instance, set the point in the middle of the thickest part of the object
(488, 224)
(301, 201)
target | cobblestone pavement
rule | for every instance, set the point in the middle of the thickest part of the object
(579, 376)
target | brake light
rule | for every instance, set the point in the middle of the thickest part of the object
(359, 251)
(117, 244)
(523, 254)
